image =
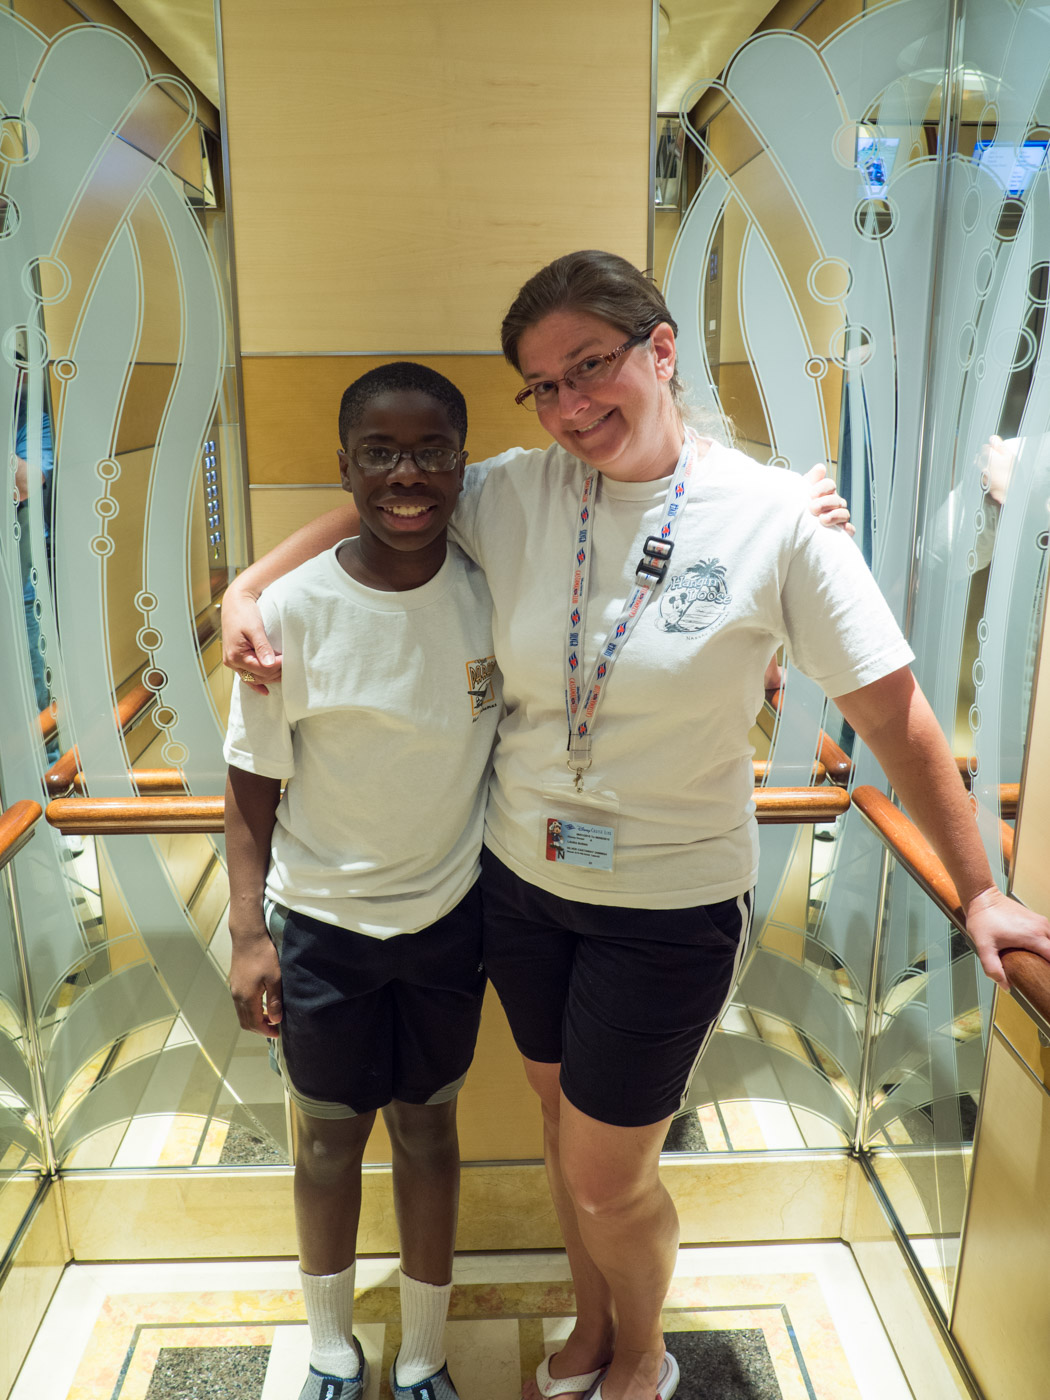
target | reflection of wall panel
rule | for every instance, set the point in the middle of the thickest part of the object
(1031, 874)
(291, 408)
(278, 510)
(1004, 1274)
(439, 153)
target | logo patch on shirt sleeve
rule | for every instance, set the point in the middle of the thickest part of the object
(695, 599)
(481, 687)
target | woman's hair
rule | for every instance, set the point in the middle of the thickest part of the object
(598, 284)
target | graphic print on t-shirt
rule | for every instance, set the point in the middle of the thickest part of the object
(480, 687)
(695, 599)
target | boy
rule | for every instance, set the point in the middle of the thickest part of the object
(382, 728)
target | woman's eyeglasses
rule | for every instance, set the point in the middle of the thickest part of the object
(584, 375)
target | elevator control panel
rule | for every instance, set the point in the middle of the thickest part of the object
(213, 502)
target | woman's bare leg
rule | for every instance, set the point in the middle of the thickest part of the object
(628, 1228)
(590, 1343)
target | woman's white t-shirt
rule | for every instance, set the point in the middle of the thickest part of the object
(751, 569)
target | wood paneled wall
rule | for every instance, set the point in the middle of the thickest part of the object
(398, 167)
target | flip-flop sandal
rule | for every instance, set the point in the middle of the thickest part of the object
(666, 1386)
(565, 1385)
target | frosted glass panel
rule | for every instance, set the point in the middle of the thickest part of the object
(116, 376)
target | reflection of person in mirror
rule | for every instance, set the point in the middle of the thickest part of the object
(33, 480)
(613, 976)
(365, 872)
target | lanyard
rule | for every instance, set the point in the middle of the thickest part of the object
(656, 553)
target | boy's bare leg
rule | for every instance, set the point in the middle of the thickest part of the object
(328, 1190)
(426, 1198)
(426, 1186)
(327, 1211)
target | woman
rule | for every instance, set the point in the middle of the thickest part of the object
(641, 575)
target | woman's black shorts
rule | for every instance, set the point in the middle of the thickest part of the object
(624, 999)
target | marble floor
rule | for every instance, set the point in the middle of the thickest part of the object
(756, 1322)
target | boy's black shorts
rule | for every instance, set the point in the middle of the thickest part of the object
(367, 1020)
(625, 1000)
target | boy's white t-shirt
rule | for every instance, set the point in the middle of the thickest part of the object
(383, 725)
(751, 569)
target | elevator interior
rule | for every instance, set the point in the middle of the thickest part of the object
(851, 228)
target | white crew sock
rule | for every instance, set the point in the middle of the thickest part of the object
(329, 1302)
(424, 1309)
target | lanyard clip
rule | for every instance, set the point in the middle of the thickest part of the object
(656, 555)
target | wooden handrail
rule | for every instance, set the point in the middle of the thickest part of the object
(103, 816)
(762, 767)
(150, 782)
(114, 816)
(16, 827)
(129, 709)
(837, 763)
(1029, 974)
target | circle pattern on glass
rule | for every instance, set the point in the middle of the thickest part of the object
(10, 216)
(46, 280)
(851, 346)
(25, 347)
(982, 630)
(107, 469)
(164, 717)
(980, 367)
(19, 140)
(983, 272)
(1014, 350)
(875, 218)
(154, 679)
(830, 280)
(779, 462)
(967, 344)
(175, 754)
(988, 123)
(1038, 280)
(106, 507)
(971, 562)
(970, 214)
(103, 546)
(975, 718)
(978, 672)
(816, 367)
(145, 602)
(1010, 216)
(65, 369)
(148, 638)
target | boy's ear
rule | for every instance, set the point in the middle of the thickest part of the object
(344, 470)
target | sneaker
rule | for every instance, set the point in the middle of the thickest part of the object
(320, 1387)
(436, 1387)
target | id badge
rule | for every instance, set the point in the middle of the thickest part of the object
(578, 828)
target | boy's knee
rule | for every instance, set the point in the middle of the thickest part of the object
(416, 1128)
(327, 1149)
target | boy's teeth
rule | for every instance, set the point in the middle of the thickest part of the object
(406, 510)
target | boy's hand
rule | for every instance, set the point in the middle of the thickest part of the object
(245, 646)
(255, 982)
(825, 502)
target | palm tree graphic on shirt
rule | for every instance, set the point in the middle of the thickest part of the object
(695, 599)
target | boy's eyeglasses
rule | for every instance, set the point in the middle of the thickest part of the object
(373, 457)
(584, 375)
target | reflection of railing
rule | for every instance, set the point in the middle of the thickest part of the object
(65, 773)
(16, 827)
(105, 816)
(837, 764)
(1029, 974)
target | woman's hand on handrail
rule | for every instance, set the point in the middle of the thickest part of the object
(997, 924)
